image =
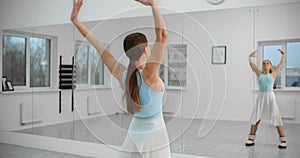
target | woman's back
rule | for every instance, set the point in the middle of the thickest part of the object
(151, 101)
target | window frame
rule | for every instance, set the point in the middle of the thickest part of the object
(50, 57)
(89, 84)
(26, 59)
(27, 36)
(165, 68)
(79, 42)
(283, 43)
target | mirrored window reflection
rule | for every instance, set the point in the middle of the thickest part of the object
(14, 59)
(81, 61)
(293, 64)
(39, 62)
(177, 65)
(97, 68)
(89, 65)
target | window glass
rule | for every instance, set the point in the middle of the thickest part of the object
(293, 64)
(97, 68)
(177, 65)
(14, 59)
(81, 61)
(39, 62)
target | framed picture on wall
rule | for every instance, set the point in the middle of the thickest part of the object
(9, 85)
(4, 86)
(219, 55)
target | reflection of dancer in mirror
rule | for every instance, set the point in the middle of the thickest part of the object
(144, 90)
(266, 105)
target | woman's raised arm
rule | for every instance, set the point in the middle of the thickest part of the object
(252, 65)
(277, 69)
(113, 65)
(157, 53)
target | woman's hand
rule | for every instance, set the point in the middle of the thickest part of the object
(148, 2)
(76, 8)
(252, 65)
(281, 51)
(253, 54)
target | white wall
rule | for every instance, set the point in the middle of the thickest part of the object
(232, 28)
(210, 88)
(17, 13)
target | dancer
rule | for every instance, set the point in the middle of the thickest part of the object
(266, 105)
(143, 89)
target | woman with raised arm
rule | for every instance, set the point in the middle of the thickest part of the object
(143, 89)
(266, 105)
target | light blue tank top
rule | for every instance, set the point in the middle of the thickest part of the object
(265, 82)
(151, 101)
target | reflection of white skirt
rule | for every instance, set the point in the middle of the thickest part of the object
(146, 137)
(266, 108)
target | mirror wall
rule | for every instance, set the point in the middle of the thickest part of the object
(199, 95)
(37, 98)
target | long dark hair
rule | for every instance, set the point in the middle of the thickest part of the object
(134, 47)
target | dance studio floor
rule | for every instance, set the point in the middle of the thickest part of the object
(14, 151)
(225, 140)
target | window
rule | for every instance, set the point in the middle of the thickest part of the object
(89, 65)
(14, 59)
(26, 60)
(39, 62)
(289, 75)
(177, 65)
(81, 62)
(173, 70)
(97, 68)
(293, 64)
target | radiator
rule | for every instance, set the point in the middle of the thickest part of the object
(29, 115)
(92, 107)
(170, 104)
(287, 107)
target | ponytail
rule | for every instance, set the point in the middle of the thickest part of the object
(134, 46)
(132, 89)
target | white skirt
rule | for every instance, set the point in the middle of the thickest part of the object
(146, 138)
(266, 108)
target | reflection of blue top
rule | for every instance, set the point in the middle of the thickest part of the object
(151, 101)
(265, 82)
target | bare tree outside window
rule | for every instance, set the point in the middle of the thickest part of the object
(97, 68)
(81, 61)
(16, 50)
(14, 59)
(177, 65)
(39, 62)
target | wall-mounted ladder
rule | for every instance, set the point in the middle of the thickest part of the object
(67, 80)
